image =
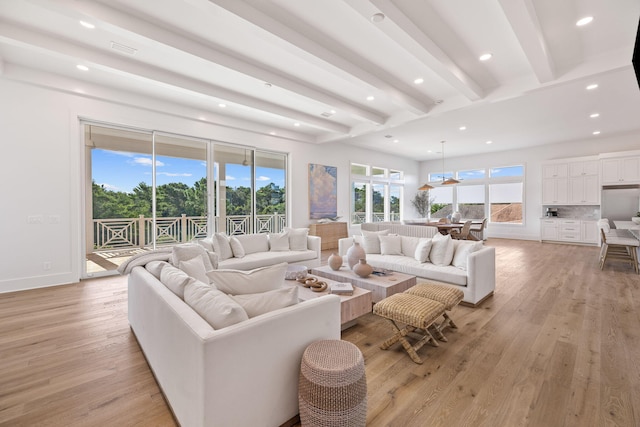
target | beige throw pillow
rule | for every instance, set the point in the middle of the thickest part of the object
(279, 242)
(422, 251)
(194, 268)
(371, 240)
(264, 302)
(222, 246)
(218, 309)
(236, 247)
(297, 238)
(239, 282)
(186, 251)
(390, 245)
(462, 251)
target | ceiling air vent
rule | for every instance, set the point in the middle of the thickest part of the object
(123, 48)
(326, 114)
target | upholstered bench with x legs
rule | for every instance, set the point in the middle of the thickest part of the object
(416, 313)
(449, 296)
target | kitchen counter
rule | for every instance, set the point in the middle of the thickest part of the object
(626, 225)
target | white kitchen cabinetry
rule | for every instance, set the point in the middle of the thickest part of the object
(584, 184)
(549, 229)
(555, 183)
(569, 231)
(621, 171)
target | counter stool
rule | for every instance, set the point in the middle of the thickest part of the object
(446, 295)
(416, 313)
(332, 389)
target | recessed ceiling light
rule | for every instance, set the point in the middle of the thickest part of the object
(396, 140)
(584, 21)
(489, 142)
(272, 133)
(332, 111)
(370, 98)
(377, 17)
(221, 105)
(88, 25)
(485, 56)
(594, 115)
(592, 86)
(596, 132)
(419, 81)
(462, 128)
(267, 84)
(296, 124)
(202, 118)
(82, 67)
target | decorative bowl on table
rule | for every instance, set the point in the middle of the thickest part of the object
(295, 272)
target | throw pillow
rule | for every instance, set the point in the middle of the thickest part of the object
(279, 241)
(218, 309)
(391, 245)
(409, 245)
(207, 243)
(194, 268)
(264, 302)
(175, 279)
(441, 249)
(222, 246)
(213, 257)
(423, 249)
(372, 241)
(155, 267)
(236, 247)
(297, 238)
(254, 242)
(239, 282)
(186, 251)
(462, 251)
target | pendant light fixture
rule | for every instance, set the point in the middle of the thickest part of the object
(451, 180)
(245, 162)
(425, 187)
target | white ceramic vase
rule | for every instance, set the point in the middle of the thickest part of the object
(354, 254)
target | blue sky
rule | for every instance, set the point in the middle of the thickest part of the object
(120, 171)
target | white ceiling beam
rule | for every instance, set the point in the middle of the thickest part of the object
(524, 21)
(270, 18)
(216, 54)
(118, 64)
(406, 33)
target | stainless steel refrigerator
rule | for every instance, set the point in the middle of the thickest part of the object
(620, 202)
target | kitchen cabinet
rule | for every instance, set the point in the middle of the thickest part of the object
(621, 171)
(555, 170)
(555, 183)
(588, 167)
(573, 183)
(569, 231)
(584, 190)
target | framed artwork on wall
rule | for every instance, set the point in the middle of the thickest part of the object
(323, 190)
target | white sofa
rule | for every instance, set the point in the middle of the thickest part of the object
(474, 275)
(245, 374)
(249, 251)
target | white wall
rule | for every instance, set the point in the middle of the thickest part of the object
(41, 171)
(532, 159)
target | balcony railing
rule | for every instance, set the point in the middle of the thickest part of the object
(132, 233)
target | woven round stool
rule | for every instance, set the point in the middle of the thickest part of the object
(333, 387)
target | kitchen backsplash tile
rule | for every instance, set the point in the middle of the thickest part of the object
(578, 212)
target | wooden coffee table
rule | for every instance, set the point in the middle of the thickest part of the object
(351, 307)
(380, 286)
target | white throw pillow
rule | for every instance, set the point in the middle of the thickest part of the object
(218, 309)
(236, 247)
(279, 241)
(264, 302)
(195, 268)
(253, 243)
(238, 282)
(175, 279)
(297, 238)
(222, 246)
(462, 251)
(372, 241)
(390, 245)
(423, 249)
(186, 251)
(409, 245)
(155, 267)
(207, 243)
(441, 249)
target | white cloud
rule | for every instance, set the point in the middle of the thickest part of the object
(146, 161)
(173, 174)
(109, 187)
(230, 178)
(263, 178)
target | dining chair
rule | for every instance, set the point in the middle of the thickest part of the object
(463, 234)
(618, 245)
(476, 231)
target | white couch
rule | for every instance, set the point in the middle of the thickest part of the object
(245, 374)
(474, 275)
(249, 251)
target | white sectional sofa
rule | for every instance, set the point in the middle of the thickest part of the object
(472, 270)
(249, 251)
(245, 374)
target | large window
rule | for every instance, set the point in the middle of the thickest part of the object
(441, 201)
(376, 194)
(471, 201)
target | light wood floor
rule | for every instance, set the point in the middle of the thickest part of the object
(558, 345)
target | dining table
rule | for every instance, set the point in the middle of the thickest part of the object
(445, 228)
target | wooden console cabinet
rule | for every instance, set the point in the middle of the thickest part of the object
(330, 233)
